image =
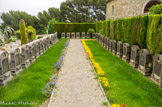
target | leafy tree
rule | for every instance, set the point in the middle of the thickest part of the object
(156, 9)
(83, 10)
(51, 24)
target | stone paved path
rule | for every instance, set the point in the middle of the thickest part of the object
(76, 86)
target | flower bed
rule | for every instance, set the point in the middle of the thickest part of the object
(48, 89)
(100, 73)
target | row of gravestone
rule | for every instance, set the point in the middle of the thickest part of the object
(76, 35)
(140, 59)
(11, 65)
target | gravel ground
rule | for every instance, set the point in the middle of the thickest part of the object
(76, 86)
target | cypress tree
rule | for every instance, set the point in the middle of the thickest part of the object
(23, 34)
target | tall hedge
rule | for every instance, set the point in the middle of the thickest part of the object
(144, 31)
(73, 27)
(154, 34)
(107, 28)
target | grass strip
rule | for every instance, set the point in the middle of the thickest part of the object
(127, 85)
(26, 87)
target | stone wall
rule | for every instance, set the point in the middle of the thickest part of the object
(126, 8)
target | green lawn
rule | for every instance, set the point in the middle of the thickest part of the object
(128, 86)
(26, 87)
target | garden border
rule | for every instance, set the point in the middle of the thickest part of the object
(52, 95)
(103, 92)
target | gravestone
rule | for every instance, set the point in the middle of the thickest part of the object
(119, 49)
(63, 35)
(88, 35)
(15, 61)
(5, 73)
(68, 35)
(126, 52)
(134, 61)
(114, 47)
(45, 44)
(39, 47)
(110, 45)
(78, 35)
(52, 38)
(73, 35)
(48, 41)
(83, 35)
(94, 35)
(31, 52)
(42, 46)
(25, 56)
(105, 43)
(145, 62)
(157, 70)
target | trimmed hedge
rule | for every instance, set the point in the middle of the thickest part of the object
(73, 27)
(145, 31)
(154, 34)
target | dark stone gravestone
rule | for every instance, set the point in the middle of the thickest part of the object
(83, 35)
(15, 61)
(5, 73)
(110, 45)
(134, 61)
(68, 35)
(73, 35)
(78, 35)
(119, 49)
(31, 52)
(94, 35)
(114, 47)
(25, 56)
(157, 70)
(105, 43)
(88, 35)
(63, 35)
(145, 62)
(126, 52)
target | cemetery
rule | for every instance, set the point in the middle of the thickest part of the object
(79, 61)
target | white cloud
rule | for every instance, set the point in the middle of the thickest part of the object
(30, 6)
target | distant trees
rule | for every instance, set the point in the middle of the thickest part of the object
(70, 11)
(39, 23)
(83, 10)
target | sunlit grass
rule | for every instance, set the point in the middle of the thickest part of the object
(128, 86)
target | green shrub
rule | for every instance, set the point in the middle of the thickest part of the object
(156, 9)
(23, 34)
(73, 27)
(107, 28)
(11, 39)
(154, 34)
(31, 33)
(51, 26)
(91, 31)
(18, 34)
